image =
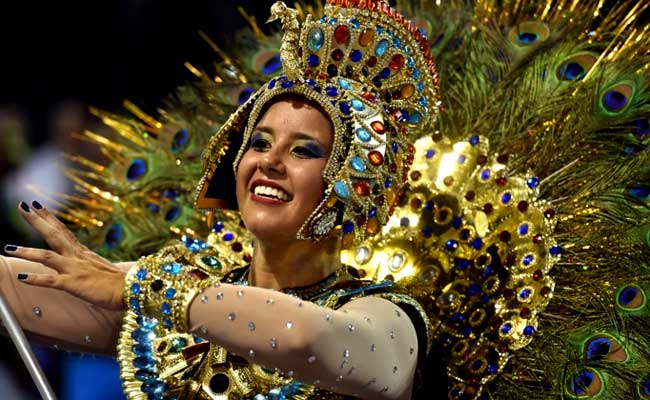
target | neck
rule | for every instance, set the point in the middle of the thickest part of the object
(294, 264)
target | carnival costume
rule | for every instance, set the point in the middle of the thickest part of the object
(501, 205)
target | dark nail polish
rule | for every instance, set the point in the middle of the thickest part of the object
(10, 247)
(37, 205)
(22, 276)
(24, 206)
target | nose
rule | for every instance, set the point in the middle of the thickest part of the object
(271, 165)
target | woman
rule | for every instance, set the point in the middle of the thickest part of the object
(317, 154)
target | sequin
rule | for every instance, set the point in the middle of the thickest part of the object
(346, 353)
(315, 39)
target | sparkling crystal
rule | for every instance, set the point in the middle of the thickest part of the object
(37, 311)
(362, 254)
(178, 344)
(143, 362)
(373, 347)
(88, 339)
(231, 316)
(363, 135)
(219, 295)
(288, 324)
(341, 189)
(251, 353)
(204, 298)
(170, 293)
(273, 343)
(311, 359)
(339, 378)
(166, 309)
(395, 369)
(381, 47)
(328, 317)
(351, 328)
(346, 353)
(315, 39)
(240, 293)
(397, 261)
(392, 334)
(251, 326)
(270, 301)
(172, 268)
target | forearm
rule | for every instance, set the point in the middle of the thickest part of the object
(54, 317)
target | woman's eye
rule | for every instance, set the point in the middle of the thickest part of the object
(259, 144)
(304, 152)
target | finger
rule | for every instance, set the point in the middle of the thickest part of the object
(51, 219)
(44, 280)
(48, 258)
(47, 231)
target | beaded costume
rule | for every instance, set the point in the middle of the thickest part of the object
(489, 181)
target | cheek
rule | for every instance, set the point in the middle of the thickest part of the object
(245, 169)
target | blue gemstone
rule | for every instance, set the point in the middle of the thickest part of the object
(228, 236)
(143, 362)
(355, 23)
(477, 243)
(529, 330)
(492, 368)
(430, 153)
(180, 140)
(135, 288)
(345, 84)
(461, 159)
(173, 213)
(172, 268)
(525, 293)
(137, 169)
(451, 245)
(313, 61)
(403, 116)
(357, 105)
(114, 236)
(532, 182)
(385, 73)
(457, 318)
(404, 222)
(474, 140)
(271, 84)
(420, 86)
(272, 65)
(166, 309)
(486, 271)
(380, 29)
(555, 250)
(315, 39)
(614, 100)
(344, 107)
(381, 47)
(528, 259)
(348, 227)
(397, 43)
(141, 349)
(218, 227)
(416, 74)
(331, 91)
(505, 328)
(170, 293)
(477, 364)
(154, 387)
(461, 263)
(372, 212)
(410, 62)
(628, 295)
(427, 231)
(572, 71)
(341, 189)
(456, 222)
(363, 135)
(423, 101)
(474, 289)
(485, 174)
(333, 21)
(323, 18)
(144, 374)
(287, 84)
(581, 383)
(415, 118)
(275, 394)
(168, 323)
(146, 322)
(311, 82)
(387, 182)
(245, 94)
(598, 348)
(527, 37)
(485, 299)
(357, 164)
(505, 198)
(356, 55)
(394, 147)
(135, 304)
(523, 229)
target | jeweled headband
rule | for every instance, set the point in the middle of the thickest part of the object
(371, 71)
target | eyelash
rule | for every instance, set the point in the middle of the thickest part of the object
(261, 145)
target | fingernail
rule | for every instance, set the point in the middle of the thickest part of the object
(22, 276)
(10, 247)
(37, 205)
(24, 206)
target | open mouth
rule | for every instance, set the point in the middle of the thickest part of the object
(270, 193)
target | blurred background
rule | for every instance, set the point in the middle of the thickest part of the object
(59, 58)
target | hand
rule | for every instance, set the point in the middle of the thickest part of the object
(80, 271)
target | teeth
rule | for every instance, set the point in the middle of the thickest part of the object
(271, 192)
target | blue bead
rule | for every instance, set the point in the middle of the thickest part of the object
(315, 39)
(244, 95)
(170, 293)
(461, 263)
(228, 236)
(358, 105)
(427, 231)
(555, 250)
(397, 43)
(331, 91)
(172, 268)
(505, 198)
(143, 362)
(457, 317)
(485, 299)
(523, 229)
(420, 86)
(477, 364)
(135, 288)
(311, 82)
(385, 73)
(477, 243)
(341, 189)
(180, 140)
(135, 304)
(345, 84)
(456, 222)
(416, 73)
(357, 164)
(287, 84)
(144, 374)
(333, 21)
(474, 140)
(154, 387)
(505, 328)
(372, 212)
(410, 62)
(415, 118)
(525, 293)
(394, 147)
(166, 309)
(492, 368)
(461, 159)
(313, 61)
(614, 100)
(140, 349)
(474, 289)
(430, 153)
(423, 101)
(323, 18)
(141, 274)
(137, 169)
(527, 37)
(114, 236)
(532, 182)
(354, 22)
(381, 47)
(572, 71)
(271, 84)
(356, 55)
(404, 222)
(272, 65)
(146, 322)
(485, 174)
(528, 259)
(403, 116)
(363, 135)
(348, 227)
(344, 107)
(451, 245)
(486, 271)
(529, 330)
(387, 182)
(218, 227)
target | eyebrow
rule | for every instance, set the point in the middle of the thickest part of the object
(294, 135)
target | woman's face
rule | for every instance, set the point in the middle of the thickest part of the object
(279, 178)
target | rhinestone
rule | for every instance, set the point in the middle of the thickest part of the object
(392, 334)
(363, 135)
(251, 353)
(351, 328)
(37, 311)
(346, 353)
(362, 255)
(341, 34)
(270, 301)
(231, 316)
(341, 189)
(399, 314)
(251, 326)
(88, 339)
(367, 319)
(274, 343)
(317, 381)
(357, 164)
(288, 324)
(366, 37)
(411, 350)
(339, 378)
(290, 373)
(384, 389)
(240, 293)
(315, 39)
(204, 298)
(373, 347)
(396, 261)
(328, 317)
(219, 296)
(311, 359)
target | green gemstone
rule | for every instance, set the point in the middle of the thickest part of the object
(211, 262)
(178, 344)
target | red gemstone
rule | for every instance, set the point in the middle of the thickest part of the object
(537, 275)
(362, 188)
(418, 35)
(393, 168)
(487, 208)
(372, 61)
(416, 175)
(397, 94)
(376, 158)
(396, 62)
(469, 196)
(545, 291)
(424, 45)
(416, 203)
(368, 96)
(337, 55)
(361, 220)
(342, 34)
(247, 257)
(525, 312)
(198, 274)
(436, 137)
(379, 200)
(502, 158)
(502, 180)
(502, 348)
(522, 206)
(378, 127)
(237, 247)
(537, 239)
(510, 260)
(549, 213)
